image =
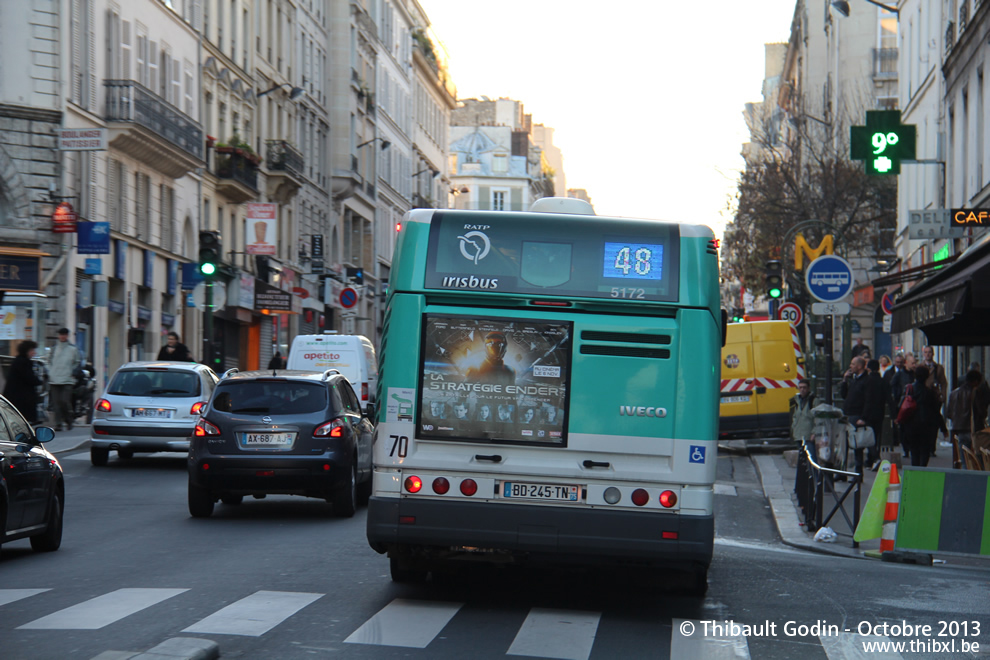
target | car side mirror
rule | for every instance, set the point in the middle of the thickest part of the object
(44, 434)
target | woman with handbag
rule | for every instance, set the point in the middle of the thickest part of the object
(922, 427)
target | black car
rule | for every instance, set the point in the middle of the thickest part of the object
(32, 488)
(290, 433)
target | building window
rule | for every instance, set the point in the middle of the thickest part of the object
(500, 163)
(498, 200)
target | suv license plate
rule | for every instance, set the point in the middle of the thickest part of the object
(266, 439)
(735, 399)
(151, 412)
(553, 492)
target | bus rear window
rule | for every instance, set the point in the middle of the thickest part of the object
(497, 380)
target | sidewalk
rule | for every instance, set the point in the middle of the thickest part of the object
(65, 441)
(778, 479)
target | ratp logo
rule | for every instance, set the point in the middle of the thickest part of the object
(475, 246)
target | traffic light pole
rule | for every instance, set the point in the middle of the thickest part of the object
(208, 325)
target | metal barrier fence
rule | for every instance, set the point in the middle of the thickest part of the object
(811, 485)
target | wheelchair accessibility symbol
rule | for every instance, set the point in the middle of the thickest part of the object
(697, 454)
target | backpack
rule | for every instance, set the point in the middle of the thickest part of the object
(909, 406)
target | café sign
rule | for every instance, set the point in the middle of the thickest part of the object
(971, 217)
(931, 224)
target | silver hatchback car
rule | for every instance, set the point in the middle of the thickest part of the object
(150, 406)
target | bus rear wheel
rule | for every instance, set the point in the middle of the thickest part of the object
(405, 570)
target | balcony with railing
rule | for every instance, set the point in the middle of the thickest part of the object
(286, 167)
(420, 202)
(237, 174)
(884, 63)
(152, 130)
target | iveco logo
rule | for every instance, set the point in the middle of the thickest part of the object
(642, 411)
(266, 419)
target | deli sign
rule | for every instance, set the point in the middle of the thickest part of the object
(970, 217)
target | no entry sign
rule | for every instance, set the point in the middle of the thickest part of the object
(348, 297)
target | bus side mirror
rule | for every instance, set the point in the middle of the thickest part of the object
(725, 325)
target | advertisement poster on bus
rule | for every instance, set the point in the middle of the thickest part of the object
(495, 380)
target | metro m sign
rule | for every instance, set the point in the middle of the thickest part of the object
(802, 248)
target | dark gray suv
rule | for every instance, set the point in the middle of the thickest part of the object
(291, 433)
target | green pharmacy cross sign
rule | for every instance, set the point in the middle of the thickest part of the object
(884, 142)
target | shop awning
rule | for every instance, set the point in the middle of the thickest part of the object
(952, 307)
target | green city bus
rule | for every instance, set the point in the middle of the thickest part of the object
(548, 391)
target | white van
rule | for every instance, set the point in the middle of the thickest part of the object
(352, 355)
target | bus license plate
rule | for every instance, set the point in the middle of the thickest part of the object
(553, 492)
(266, 440)
(735, 399)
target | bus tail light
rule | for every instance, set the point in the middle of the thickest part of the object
(640, 497)
(413, 484)
(469, 487)
(668, 498)
(441, 486)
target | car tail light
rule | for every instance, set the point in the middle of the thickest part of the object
(640, 497)
(364, 391)
(441, 485)
(668, 498)
(413, 483)
(332, 429)
(469, 487)
(204, 428)
(197, 407)
(103, 404)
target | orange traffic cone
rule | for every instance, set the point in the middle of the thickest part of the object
(889, 530)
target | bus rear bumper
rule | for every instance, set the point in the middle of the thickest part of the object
(562, 534)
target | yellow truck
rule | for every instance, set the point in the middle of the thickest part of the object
(762, 363)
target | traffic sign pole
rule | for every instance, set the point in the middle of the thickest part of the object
(828, 359)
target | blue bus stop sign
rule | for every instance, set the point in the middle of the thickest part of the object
(829, 278)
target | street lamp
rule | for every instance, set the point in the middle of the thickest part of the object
(842, 6)
(294, 93)
(385, 143)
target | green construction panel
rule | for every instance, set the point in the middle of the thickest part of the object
(985, 545)
(919, 516)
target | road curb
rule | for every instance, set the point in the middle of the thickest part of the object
(785, 513)
(182, 648)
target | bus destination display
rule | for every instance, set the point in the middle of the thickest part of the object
(494, 380)
(633, 261)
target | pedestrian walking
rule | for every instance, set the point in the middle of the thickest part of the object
(22, 383)
(878, 400)
(61, 373)
(802, 418)
(276, 362)
(940, 384)
(897, 385)
(983, 394)
(174, 350)
(861, 400)
(967, 407)
(885, 365)
(919, 433)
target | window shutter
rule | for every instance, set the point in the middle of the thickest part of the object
(77, 51)
(125, 51)
(91, 184)
(110, 44)
(197, 12)
(142, 59)
(190, 90)
(113, 195)
(177, 83)
(91, 54)
(153, 56)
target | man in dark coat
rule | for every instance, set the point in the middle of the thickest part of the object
(861, 400)
(174, 350)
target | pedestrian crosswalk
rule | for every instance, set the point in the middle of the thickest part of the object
(563, 634)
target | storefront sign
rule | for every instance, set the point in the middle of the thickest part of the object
(190, 276)
(64, 219)
(19, 272)
(168, 320)
(93, 238)
(928, 224)
(82, 139)
(863, 296)
(262, 225)
(94, 266)
(269, 299)
(935, 308)
(245, 291)
(115, 306)
(971, 217)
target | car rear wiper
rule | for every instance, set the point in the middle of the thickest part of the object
(263, 409)
(118, 393)
(170, 392)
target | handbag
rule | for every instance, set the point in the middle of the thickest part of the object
(863, 438)
(908, 406)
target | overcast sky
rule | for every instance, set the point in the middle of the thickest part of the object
(645, 96)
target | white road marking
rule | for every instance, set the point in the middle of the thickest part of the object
(407, 623)
(101, 611)
(254, 615)
(688, 641)
(565, 634)
(11, 595)
(725, 489)
(849, 646)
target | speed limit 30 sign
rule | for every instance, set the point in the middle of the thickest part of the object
(790, 312)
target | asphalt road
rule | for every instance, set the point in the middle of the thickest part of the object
(281, 578)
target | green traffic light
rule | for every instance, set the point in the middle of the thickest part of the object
(775, 292)
(208, 268)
